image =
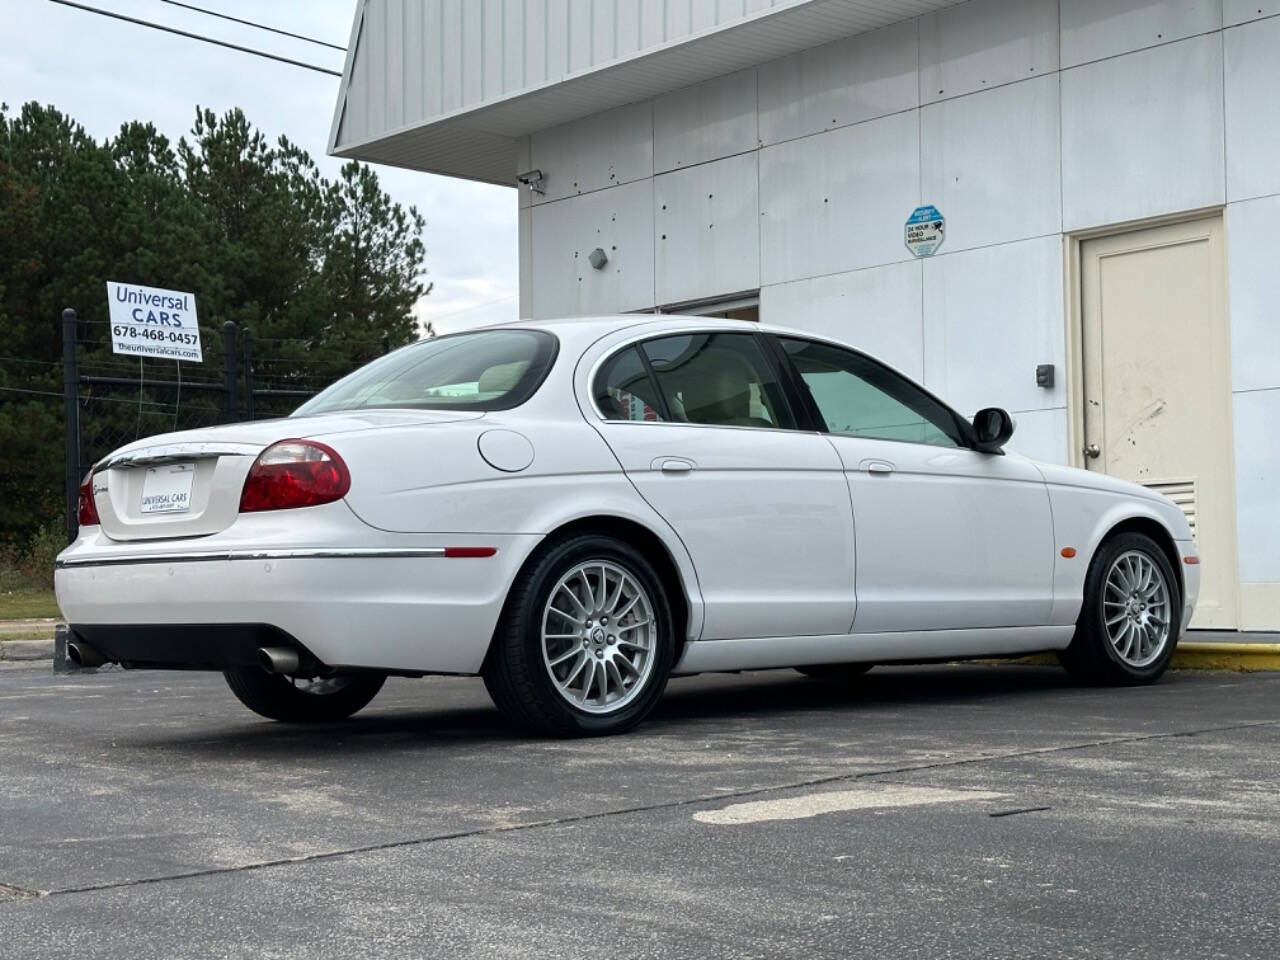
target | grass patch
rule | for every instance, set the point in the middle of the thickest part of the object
(26, 603)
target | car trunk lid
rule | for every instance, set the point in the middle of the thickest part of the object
(188, 484)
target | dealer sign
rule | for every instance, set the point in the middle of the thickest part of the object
(150, 322)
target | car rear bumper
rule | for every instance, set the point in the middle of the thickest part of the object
(394, 607)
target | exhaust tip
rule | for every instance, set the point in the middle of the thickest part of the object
(84, 656)
(280, 660)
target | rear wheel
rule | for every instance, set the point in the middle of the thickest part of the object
(836, 672)
(1131, 618)
(586, 640)
(298, 700)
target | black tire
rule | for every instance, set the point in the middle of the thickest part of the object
(515, 673)
(1091, 658)
(836, 672)
(277, 698)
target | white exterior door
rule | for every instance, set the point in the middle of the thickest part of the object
(947, 538)
(1157, 395)
(762, 509)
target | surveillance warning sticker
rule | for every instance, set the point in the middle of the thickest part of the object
(926, 229)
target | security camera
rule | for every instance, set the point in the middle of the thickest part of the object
(533, 180)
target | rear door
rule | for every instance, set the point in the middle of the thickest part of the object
(704, 430)
(947, 537)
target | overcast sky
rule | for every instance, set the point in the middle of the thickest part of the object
(103, 72)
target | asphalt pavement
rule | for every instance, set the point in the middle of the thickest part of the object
(946, 811)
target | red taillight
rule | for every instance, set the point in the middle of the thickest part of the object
(87, 510)
(295, 473)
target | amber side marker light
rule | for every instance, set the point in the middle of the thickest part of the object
(1191, 561)
(1068, 552)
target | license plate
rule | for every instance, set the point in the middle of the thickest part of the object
(167, 489)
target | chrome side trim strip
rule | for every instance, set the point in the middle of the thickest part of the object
(214, 555)
(175, 453)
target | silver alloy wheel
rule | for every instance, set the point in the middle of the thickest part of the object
(1137, 608)
(598, 637)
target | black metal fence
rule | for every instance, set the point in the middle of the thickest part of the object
(110, 400)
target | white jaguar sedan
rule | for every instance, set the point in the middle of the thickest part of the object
(577, 510)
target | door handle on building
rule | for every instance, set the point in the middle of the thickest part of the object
(1093, 451)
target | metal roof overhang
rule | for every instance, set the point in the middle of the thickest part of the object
(480, 142)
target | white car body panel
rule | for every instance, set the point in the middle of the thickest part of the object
(948, 539)
(786, 549)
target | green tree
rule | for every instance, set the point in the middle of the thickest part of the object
(321, 271)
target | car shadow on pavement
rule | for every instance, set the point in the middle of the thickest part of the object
(416, 725)
(784, 690)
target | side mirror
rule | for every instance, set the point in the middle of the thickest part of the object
(992, 429)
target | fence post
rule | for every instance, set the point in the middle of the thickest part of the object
(229, 371)
(71, 408)
(386, 343)
(246, 346)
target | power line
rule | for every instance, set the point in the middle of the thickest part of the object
(197, 36)
(259, 26)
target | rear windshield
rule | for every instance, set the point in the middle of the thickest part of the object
(485, 370)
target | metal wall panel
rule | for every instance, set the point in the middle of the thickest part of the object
(990, 316)
(838, 201)
(597, 152)
(1240, 11)
(877, 310)
(705, 122)
(1258, 484)
(840, 83)
(620, 222)
(1095, 29)
(1253, 292)
(1042, 435)
(1252, 78)
(990, 163)
(1142, 134)
(707, 230)
(984, 43)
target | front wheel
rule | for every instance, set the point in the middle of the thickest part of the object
(586, 641)
(297, 700)
(1131, 618)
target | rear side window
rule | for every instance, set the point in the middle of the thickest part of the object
(484, 370)
(624, 390)
(718, 379)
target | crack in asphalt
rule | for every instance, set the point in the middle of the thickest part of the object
(21, 895)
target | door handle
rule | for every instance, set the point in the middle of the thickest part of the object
(1093, 451)
(674, 465)
(881, 467)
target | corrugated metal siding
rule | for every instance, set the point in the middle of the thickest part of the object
(418, 59)
(452, 86)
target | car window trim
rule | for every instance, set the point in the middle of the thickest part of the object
(962, 425)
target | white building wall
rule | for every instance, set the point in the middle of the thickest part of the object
(1022, 120)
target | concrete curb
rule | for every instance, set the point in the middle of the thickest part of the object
(1237, 657)
(13, 650)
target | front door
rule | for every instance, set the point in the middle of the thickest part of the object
(705, 433)
(1157, 396)
(947, 538)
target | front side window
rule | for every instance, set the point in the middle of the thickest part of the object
(718, 379)
(484, 370)
(858, 397)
